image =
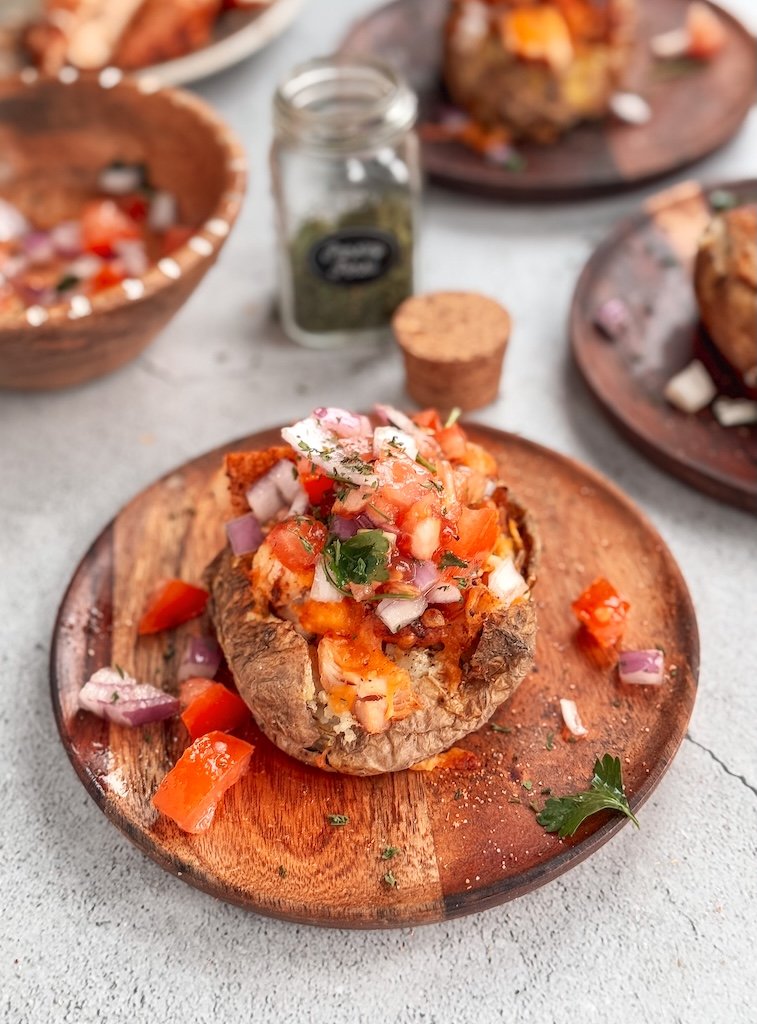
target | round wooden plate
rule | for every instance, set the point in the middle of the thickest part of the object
(648, 261)
(467, 839)
(693, 113)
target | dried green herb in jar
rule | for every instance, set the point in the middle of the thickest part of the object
(352, 273)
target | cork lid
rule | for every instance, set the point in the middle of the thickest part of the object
(454, 344)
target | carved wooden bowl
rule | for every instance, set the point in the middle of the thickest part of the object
(56, 135)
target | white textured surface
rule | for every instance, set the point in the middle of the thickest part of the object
(659, 926)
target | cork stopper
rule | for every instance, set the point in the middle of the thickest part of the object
(454, 344)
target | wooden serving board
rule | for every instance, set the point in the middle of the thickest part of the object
(467, 839)
(648, 261)
(694, 112)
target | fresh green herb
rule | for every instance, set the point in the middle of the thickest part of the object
(282, 871)
(295, 474)
(425, 463)
(453, 417)
(306, 544)
(514, 800)
(666, 68)
(114, 697)
(722, 199)
(169, 652)
(506, 729)
(120, 671)
(448, 560)
(337, 820)
(67, 282)
(546, 791)
(362, 559)
(515, 162)
(550, 741)
(387, 595)
(390, 880)
(564, 814)
(527, 785)
(458, 794)
(389, 851)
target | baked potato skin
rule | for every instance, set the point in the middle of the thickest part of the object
(272, 667)
(725, 281)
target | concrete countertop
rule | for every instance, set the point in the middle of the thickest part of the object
(660, 925)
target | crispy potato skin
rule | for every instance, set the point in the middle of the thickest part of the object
(273, 670)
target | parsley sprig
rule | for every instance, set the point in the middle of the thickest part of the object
(361, 559)
(564, 814)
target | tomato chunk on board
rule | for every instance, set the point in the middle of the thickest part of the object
(602, 611)
(192, 789)
(216, 708)
(174, 602)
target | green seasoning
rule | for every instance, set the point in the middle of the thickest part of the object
(351, 273)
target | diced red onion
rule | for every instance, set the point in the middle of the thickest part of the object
(119, 180)
(570, 716)
(342, 422)
(133, 255)
(426, 575)
(38, 246)
(642, 667)
(505, 582)
(396, 612)
(66, 237)
(344, 528)
(163, 212)
(85, 266)
(201, 658)
(13, 224)
(265, 499)
(125, 701)
(391, 439)
(323, 589)
(445, 593)
(244, 533)
(612, 318)
(284, 475)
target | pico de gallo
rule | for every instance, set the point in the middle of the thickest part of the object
(122, 228)
(377, 541)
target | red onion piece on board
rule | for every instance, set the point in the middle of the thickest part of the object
(612, 318)
(642, 667)
(244, 533)
(123, 700)
(426, 575)
(201, 658)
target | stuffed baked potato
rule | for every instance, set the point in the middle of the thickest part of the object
(374, 603)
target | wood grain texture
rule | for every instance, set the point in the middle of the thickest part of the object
(467, 839)
(693, 113)
(648, 261)
(54, 140)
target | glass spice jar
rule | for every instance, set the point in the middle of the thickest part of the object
(346, 181)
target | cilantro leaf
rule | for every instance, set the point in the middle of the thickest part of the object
(448, 559)
(361, 559)
(338, 820)
(564, 814)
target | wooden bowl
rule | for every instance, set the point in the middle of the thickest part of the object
(56, 134)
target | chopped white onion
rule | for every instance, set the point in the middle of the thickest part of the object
(445, 593)
(691, 389)
(670, 45)
(323, 589)
(505, 582)
(570, 716)
(284, 475)
(734, 412)
(300, 504)
(133, 255)
(265, 498)
(85, 266)
(397, 612)
(642, 667)
(13, 224)
(630, 108)
(392, 439)
(119, 180)
(163, 212)
(66, 238)
(345, 460)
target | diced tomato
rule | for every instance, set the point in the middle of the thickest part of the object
(174, 237)
(538, 34)
(215, 708)
(453, 442)
(106, 276)
(191, 688)
(707, 35)
(297, 543)
(103, 224)
(421, 528)
(477, 531)
(136, 206)
(602, 611)
(402, 484)
(191, 790)
(318, 487)
(428, 418)
(173, 603)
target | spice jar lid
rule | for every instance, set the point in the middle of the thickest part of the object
(344, 103)
(454, 345)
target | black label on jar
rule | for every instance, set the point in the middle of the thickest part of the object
(353, 256)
